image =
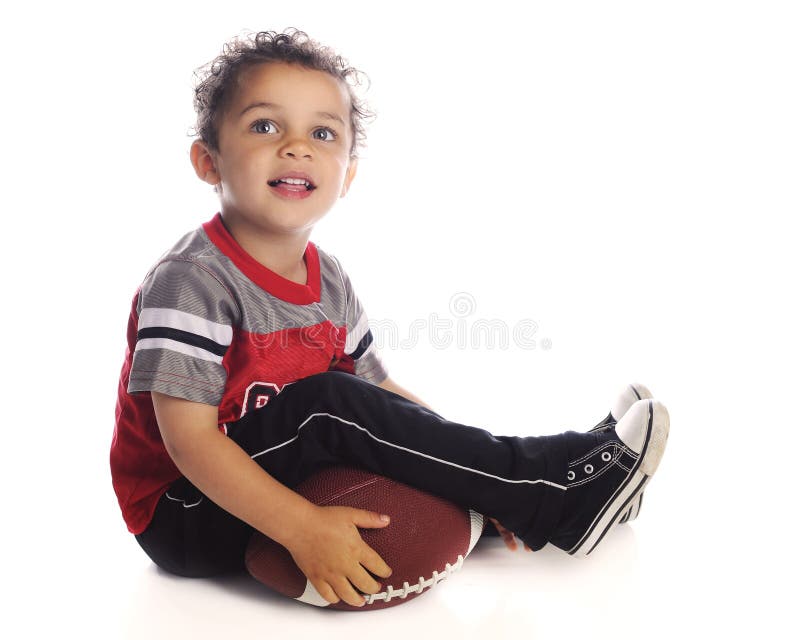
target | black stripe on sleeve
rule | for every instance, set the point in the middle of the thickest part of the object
(183, 336)
(363, 345)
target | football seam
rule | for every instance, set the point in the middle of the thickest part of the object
(417, 587)
(349, 490)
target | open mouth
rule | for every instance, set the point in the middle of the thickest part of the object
(293, 184)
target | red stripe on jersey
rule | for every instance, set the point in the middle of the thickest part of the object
(265, 278)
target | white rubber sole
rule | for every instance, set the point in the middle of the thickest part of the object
(628, 494)
(626, 398)
(633, 510)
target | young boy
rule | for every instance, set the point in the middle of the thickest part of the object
(250, 364)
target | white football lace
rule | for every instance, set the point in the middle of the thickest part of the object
(417, 587)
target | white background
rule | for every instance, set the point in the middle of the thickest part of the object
(623, 174)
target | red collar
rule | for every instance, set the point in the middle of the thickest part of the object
(267, 279)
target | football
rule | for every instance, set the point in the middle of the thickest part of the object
(427, 539)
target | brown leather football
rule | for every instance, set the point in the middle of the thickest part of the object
(427, 539)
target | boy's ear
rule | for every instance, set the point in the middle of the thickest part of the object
(348, 178)
(203, 162)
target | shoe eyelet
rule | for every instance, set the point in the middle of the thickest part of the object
(588, 469)
(606, 456)
(570, 475)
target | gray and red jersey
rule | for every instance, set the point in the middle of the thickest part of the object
(211, 324)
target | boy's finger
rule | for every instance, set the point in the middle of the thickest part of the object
(346, 592)
(325, 590)
(508, 536)
(364, 582)
(373, 563)
(500, 528)
(369, 519)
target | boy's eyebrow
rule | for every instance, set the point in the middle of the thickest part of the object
(330, 116)
(270, 105)
(256, 105)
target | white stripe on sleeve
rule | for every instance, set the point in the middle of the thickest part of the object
(160, 317)
(355, 334)
(180, 347)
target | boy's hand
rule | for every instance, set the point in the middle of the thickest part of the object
(508, 536)
(332, 555)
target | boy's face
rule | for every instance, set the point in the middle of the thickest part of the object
(284, 149)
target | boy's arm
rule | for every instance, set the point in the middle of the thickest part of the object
(391, 385)
(324, 541)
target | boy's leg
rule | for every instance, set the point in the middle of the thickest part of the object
(191, 536)
(337, 418)
(624, 400)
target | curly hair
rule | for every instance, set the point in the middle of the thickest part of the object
(216, 80)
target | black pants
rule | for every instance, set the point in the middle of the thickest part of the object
(334, 418)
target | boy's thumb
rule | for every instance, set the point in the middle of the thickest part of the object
(369, 519)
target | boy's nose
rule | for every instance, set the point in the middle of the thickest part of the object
(296, 148)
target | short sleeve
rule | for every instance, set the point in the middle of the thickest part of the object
(185, 327)
(360, 347)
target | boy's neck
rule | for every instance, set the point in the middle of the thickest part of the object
(282, 254)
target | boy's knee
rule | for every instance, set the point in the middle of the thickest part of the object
(326, 390)
(330, 380)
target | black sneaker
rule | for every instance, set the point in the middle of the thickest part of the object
(630, 394)
(606, 481)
